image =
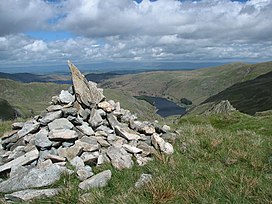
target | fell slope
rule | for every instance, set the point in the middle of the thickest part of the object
(250, 96)
(7, 112)
(32, 98)
(196, 85)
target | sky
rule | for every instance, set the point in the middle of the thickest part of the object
(44, 34)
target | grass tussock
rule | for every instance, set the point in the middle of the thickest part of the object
(217, 159)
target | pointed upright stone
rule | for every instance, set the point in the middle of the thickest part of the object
(86, 93)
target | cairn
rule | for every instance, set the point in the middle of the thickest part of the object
(80, 128)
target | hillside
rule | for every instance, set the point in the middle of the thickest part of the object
(32, 98)
(7, 112)
(196, 85)
(248, 97)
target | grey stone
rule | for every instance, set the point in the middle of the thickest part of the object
(87, 147)
(127, 133)
(70, 152)
(34, 178)
(144, 179)
(113, 121)
(132, 149)
(20, 142)
(166, 128)
(95, 119)
(120, 159)
(86, 129)
(17, 170)
(102, 142)
(24, 159)
(141, 161)
(111, 137)
(99, 180)
(102, 158)
(69, 112)
(17, 152)
(49, 117)
(54, 108)
(89, 157)
(61, 123)
(146, 149)
(17, 125)
(67, 144)
(66, 97)
(106, 106)
(101, 112)
(55, 158)
(29, 127)
(7, 135)
(86, 93)
(105, 129)
(30, 194)
(161, 145)
(62, 134)
(41, 139)
(75, 120)
(83, 174)
(85, 113)
(77, 162)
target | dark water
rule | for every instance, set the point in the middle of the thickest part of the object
(165, 107)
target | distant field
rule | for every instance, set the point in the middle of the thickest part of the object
(196, 85)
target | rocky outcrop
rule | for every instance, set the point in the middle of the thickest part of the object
(222, 107)
(82, 128)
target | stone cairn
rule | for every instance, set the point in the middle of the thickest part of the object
(80, 128)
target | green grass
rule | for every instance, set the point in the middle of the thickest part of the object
(217, 159)
(196, 85)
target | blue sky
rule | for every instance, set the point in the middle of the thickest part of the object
(45, 33)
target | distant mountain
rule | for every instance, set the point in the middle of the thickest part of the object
(248, 97)
(99, 77)
(195, 85)
(29, 78)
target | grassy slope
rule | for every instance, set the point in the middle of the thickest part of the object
(250, 96)
(29, 97)
(6, 110)
(195, 85)
(217, 159)
(36, 97)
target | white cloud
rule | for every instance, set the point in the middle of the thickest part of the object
(123, 30)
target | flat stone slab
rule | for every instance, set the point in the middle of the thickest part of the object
(161, 145)
(127, 133)
(30, 194)
(62, 134)
(34, 178)
(99, 180)
(29, 127)
(61, 123)
(49, 117)
(24, 159)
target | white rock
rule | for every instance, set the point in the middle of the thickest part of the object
(66, 97)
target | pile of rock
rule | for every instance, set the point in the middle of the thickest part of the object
(82, 128)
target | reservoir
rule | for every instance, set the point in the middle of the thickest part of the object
(164, 107)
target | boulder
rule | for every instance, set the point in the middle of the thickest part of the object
(99, 180)
(127, 133)
(70, 152)
(95, 118)
(144, 179)
(30, 194)
(120, 159)
(106, 106)
(87, 94)
(85, 129)
(161, 145)
(34, 178)
(65, 97)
